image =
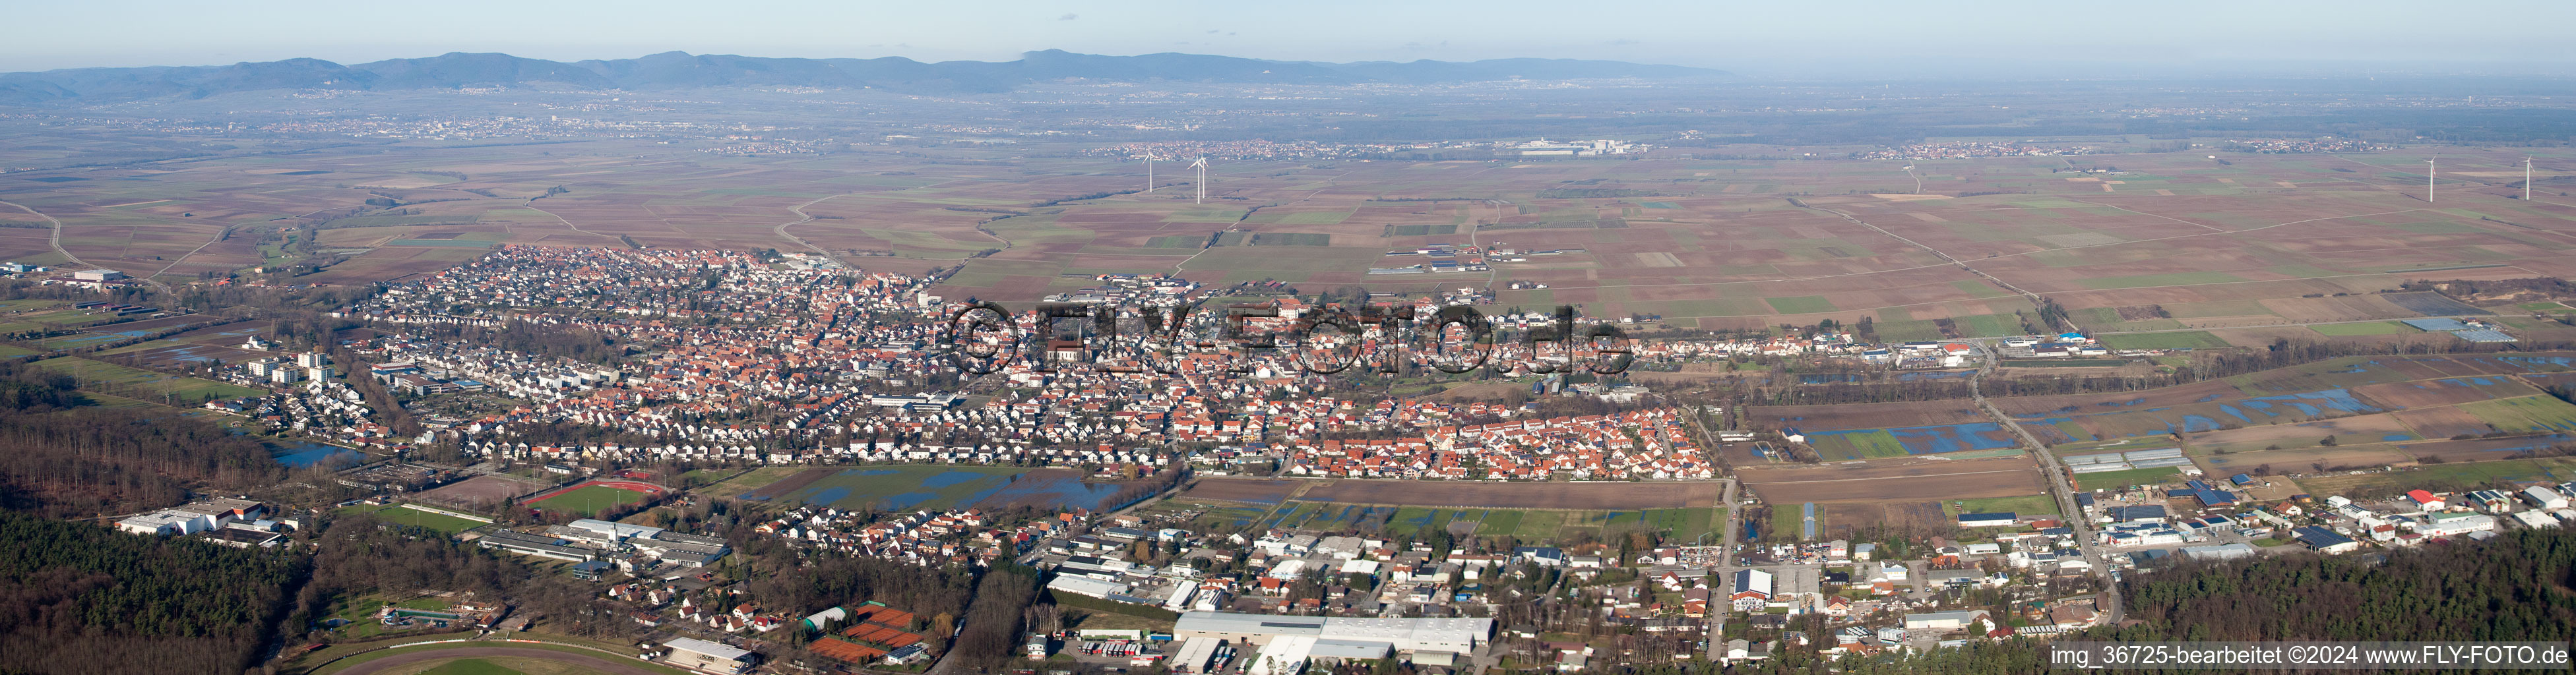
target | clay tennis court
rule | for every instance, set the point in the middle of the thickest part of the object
(395, 662)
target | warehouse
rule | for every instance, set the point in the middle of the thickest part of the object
(1418, 639)
(708, 656)
(536, 545)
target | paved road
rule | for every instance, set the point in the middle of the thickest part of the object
(598, 663)
(1725, 550)
(2059, 486)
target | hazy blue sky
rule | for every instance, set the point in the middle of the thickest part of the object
(1764, 38)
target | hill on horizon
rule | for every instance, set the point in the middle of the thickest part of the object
(681, 70)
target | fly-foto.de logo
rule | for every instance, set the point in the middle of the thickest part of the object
(1248, 338)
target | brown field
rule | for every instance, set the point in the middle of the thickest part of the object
(2396, 395)
(2232, 245)
(2477, 449)
(1863, 415)
(1577, 495)
(1896, 480)
(2442, 422)
(1241, 490)
(2051, 406)
(2355, 430)
(481, 491)
(2305, 460)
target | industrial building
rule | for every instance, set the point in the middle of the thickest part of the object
(708, 656)
(1423, 641)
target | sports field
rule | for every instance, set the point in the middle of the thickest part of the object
(402, 515)
(591, 498)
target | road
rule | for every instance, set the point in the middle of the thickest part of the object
(2059, 486)
(55, 238)
(1725, 549)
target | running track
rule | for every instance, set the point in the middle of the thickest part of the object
(582, 660)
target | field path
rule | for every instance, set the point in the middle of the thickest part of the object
(2035, 300)
(174, 262)
(803, 218)
(56, 239)
(1328, 184)
(532, 206)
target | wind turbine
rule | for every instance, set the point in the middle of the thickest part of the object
(2526, 179)
(2428, 181)
(1201, 165)
(1149, 173)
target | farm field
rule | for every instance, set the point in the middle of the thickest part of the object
(2165, 340)
(2025, 505)
(2262, 239)
(1895, 480)
(2442, 477)
(2113, 480)
(2417, 388)
(139, 383)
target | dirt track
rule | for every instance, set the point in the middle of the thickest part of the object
(598, 663)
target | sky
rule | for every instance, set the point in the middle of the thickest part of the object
(1863, 38)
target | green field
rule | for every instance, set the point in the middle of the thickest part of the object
(2025, 505)
(1291, 239)
(144, 384)
(588, 500)
(2442, 477)
(2529, 413)
(2172, 279)
(400, 515)
(2062, 363)
(1987, 325)
(2113, 480)
(754, 480)
(1500, 522)
(1908, 331)
(2368, 328)
(1803, 304)
(1873, 444)
(1789, 521)
(2192, 339)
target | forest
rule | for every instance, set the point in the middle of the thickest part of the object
(2511, 588)
(60, 456)
(79, 598)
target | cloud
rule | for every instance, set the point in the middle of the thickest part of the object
(1068, 17)
(1211, 31)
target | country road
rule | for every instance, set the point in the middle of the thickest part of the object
(55, 237)
(2059, 486)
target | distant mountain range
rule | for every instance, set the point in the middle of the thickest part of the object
(678, 70)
